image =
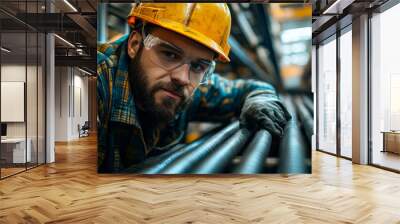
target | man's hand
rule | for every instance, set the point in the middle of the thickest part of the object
(264, 112)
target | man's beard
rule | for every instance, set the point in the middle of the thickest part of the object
(145, 96)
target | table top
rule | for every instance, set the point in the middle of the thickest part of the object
(391, 132)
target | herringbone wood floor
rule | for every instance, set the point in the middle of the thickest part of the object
(70, 191)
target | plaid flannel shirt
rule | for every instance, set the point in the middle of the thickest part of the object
(120, 136)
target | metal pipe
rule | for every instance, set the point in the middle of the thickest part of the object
(217, 160)
(254, 156)
(309, 104)
(245, 26)
(263, 23)
(305, 118)
(241, 55)
(102, 23)
(149, 165)
(293, 148)
(153, 165)
(185, 162)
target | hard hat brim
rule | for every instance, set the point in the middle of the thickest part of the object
(191, 34)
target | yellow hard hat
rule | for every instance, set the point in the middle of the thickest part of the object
(206, 23)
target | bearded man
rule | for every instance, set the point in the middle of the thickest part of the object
(155, 80)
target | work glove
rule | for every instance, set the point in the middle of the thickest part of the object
(264, 111)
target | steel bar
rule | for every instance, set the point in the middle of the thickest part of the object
(217, 160)
(153, 165)
(263, 23)
(185, 162)
(240, 54)
(305, 118)
(293, 148)
(309, 104)
(149, 166)
(102, 23)
(254, 156)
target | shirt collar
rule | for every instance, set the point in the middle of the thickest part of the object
(123, 105)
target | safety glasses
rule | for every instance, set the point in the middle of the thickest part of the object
(170, 57)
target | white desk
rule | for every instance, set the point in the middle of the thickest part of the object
(17, 147)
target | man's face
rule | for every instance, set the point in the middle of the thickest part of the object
(159, 91)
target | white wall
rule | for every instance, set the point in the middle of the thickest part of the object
(61, 103)
(13, 73)
(80, 110)
(71, 93)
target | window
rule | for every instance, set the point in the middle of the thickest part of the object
(346, 94)
(22, 76)
(327, 96)
(385, 88)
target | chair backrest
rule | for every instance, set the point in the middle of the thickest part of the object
(86, 125)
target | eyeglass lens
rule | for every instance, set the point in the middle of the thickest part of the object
(170, 58)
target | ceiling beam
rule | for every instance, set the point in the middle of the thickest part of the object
(81, 61)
